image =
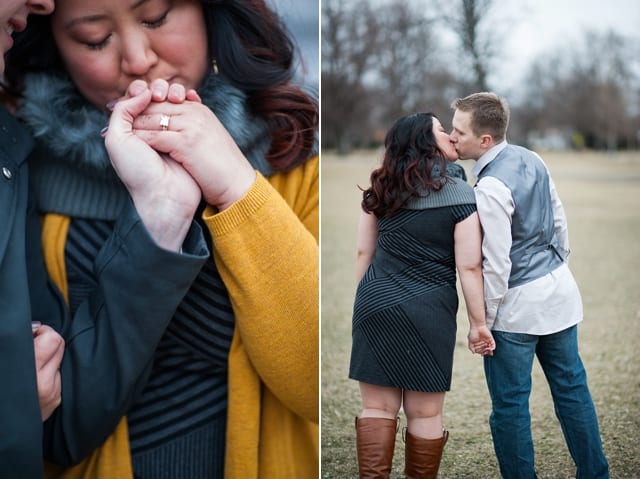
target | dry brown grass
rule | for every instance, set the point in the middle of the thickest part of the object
(600, 193)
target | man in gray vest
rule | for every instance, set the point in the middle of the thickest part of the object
(532, 301)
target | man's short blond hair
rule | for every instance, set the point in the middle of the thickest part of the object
(489, 114)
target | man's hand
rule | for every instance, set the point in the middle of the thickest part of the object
(49, 349)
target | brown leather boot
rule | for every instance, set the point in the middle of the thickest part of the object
(422, 456)
(375, 441)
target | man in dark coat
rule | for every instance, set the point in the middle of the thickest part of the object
(112, 337)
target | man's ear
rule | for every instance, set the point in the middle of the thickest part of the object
(486, 141)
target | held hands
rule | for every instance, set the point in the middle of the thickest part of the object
(49, 349)
(164, 193)
(480, 340)
(189, 133)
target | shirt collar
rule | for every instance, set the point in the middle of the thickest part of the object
(487, 157)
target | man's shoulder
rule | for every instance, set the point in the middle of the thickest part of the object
(511, 157)
(19, 142)
(515, 150)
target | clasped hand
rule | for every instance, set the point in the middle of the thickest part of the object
(480, 341)
(163, 140)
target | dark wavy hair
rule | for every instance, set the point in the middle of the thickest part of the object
(412, 164)
(251, 46)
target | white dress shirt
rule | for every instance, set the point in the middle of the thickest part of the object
(546, 305)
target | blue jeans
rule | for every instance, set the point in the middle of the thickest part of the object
(508, 374)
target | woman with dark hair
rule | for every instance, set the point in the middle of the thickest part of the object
(419, 224)
(232, 387)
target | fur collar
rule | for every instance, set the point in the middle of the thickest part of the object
(70, 171)
(66, 125)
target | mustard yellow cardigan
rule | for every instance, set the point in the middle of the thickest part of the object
(266, 250)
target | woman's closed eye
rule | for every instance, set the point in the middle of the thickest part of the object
(153, 23)
(99, 45)
(158, 22)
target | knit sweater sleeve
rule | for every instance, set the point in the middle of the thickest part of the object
(266, 249)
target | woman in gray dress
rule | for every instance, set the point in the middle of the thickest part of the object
(418, 226)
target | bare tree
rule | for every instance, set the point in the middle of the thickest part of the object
(378, 63)
(589, 88)
(383, 59)
(603, 76)
(472, 42)
(412, 75)
(479, 28)
(349, 44)
(465, 19)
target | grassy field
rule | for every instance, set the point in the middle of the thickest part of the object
(600, 193)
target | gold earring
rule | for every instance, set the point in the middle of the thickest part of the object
(214, 67)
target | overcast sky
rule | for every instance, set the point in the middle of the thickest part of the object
(540, 26)
(532, 27)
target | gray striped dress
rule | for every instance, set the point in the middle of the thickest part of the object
(404, 315)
